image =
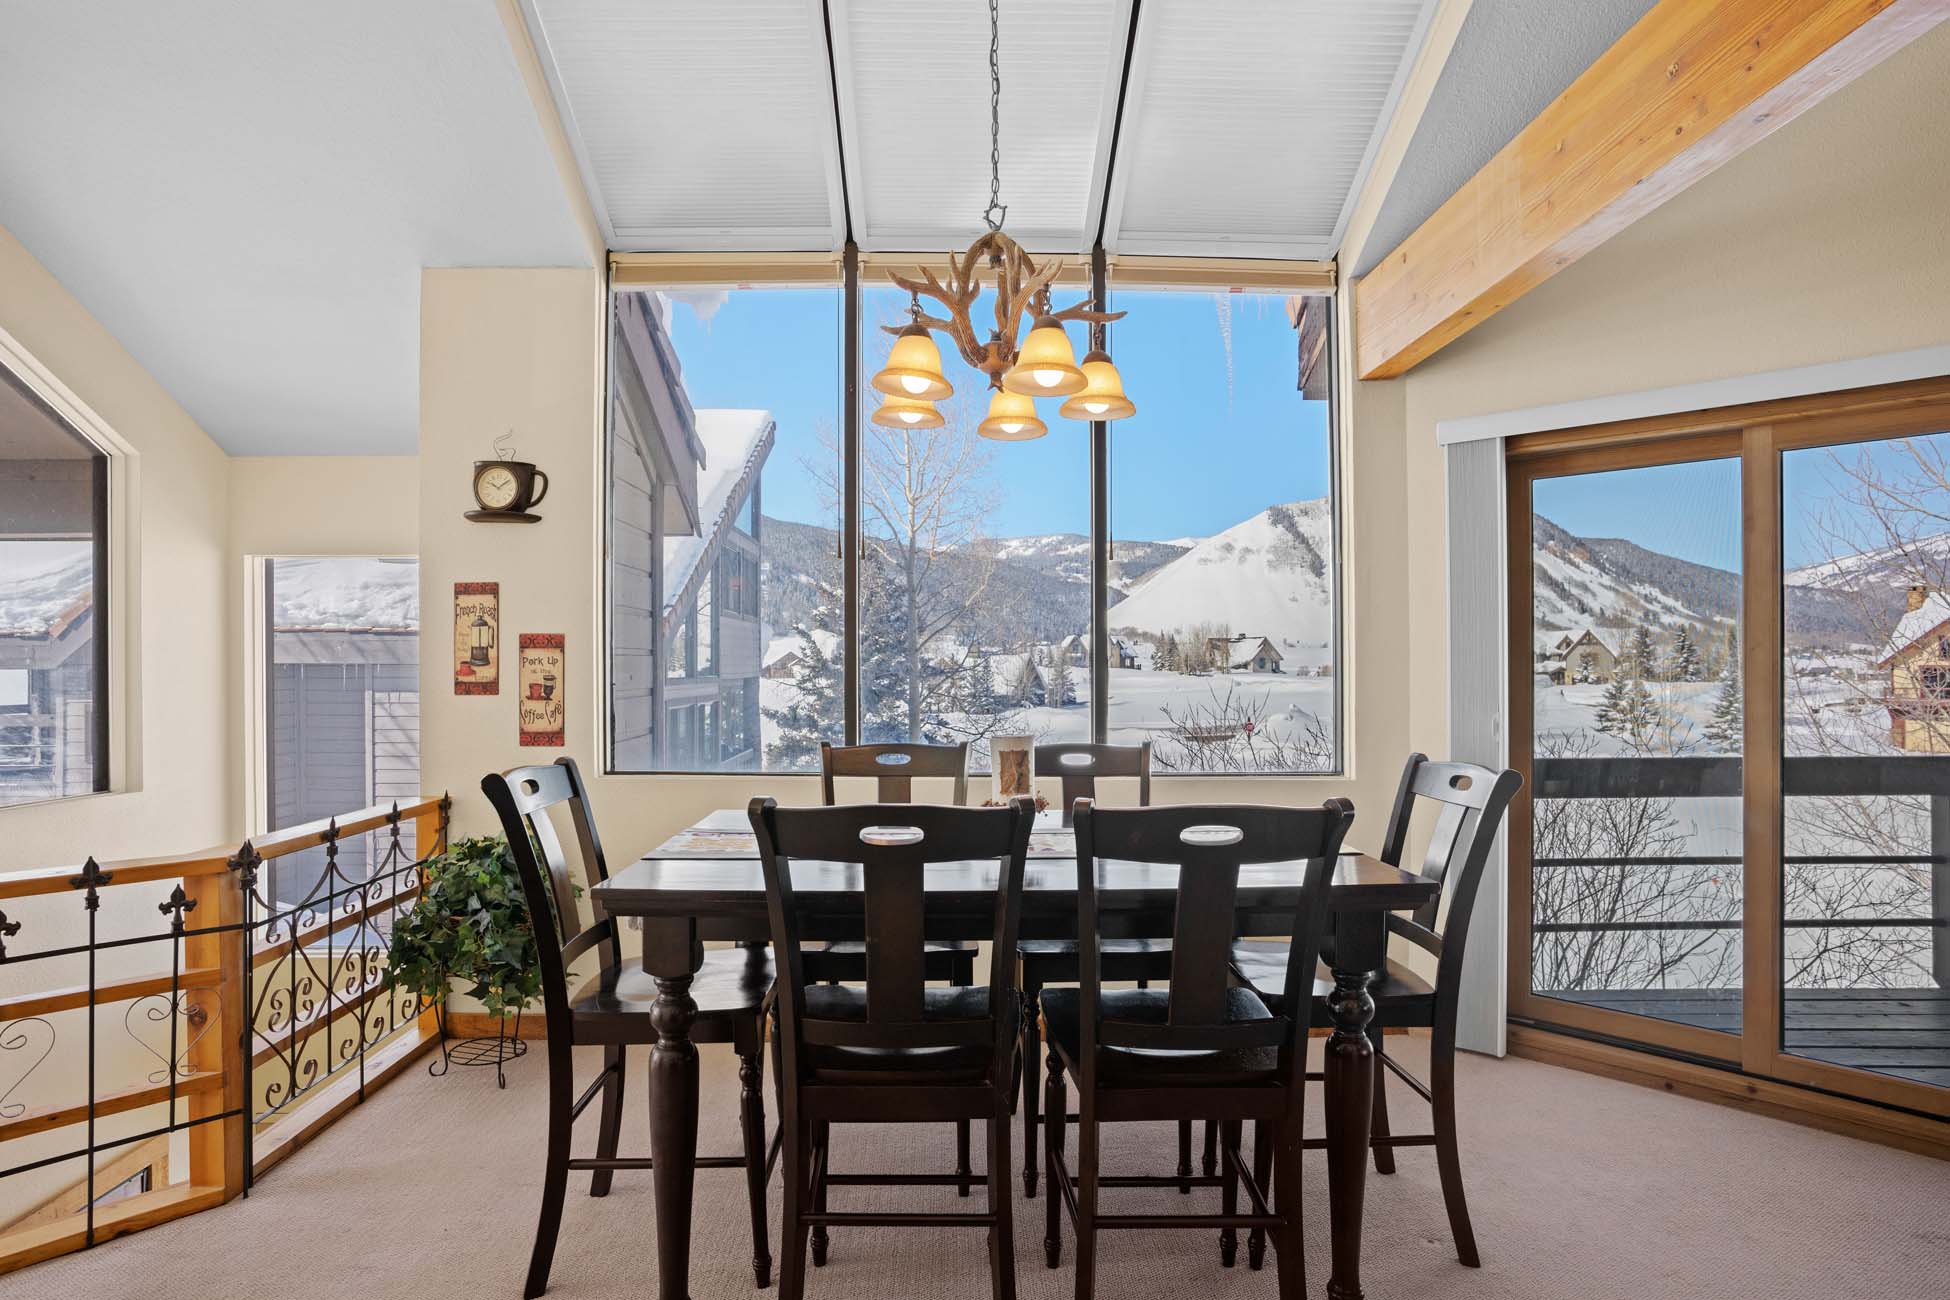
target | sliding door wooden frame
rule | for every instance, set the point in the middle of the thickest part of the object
(1523, 471)
(1758, 434)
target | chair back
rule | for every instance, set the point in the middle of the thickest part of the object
(893, 845)
(1471, 801)
(893, 768)
(1209, 844)
(523, 797)
(1079, 765)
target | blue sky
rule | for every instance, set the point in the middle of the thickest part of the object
(1692, 510)
(1207, 448)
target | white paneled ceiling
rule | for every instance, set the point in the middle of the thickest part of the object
(698, 126)
(1248, 127)
(1245, 127)
(913, 90)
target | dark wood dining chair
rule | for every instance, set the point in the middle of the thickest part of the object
(892, 1050)
(1470, 802)
(893, 770)
(613, 1010)
(1044, 962)
(1205, 1048)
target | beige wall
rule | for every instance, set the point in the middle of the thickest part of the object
(179, 719)
(1829, 240)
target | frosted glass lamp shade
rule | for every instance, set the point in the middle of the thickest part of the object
(1012, 418)
(913, 367)
(1047, 365)
(1102, 397)
(907, 413)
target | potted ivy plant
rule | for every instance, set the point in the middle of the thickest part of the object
(471, 924)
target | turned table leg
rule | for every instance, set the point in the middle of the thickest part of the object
(672, 955)
(1349, 1069)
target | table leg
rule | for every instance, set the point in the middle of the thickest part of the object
(1349, 1069)
(672, 955)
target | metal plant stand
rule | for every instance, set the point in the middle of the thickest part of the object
(497, 1050)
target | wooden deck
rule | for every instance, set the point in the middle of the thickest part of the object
(1901, 1032)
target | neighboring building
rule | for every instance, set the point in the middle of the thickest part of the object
(1243, 654)
(1575, 657)
(1917, 659)
(686, 610)
(1075, 650)
(47, 704)
(1124, 654)
(785, 656)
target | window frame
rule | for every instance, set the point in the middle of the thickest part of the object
(113, 603)
(848, 271)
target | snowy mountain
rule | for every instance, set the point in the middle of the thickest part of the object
(1067, 555)
(1271, 576)
(1607, 582)
(44, 582)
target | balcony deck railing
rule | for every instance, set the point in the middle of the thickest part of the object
(147, 998)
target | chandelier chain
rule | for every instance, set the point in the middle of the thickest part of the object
(997, 212)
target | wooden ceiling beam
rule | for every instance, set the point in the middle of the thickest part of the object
(1691, 85)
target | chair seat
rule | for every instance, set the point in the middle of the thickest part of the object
(1401, 996)
(899, 1065)
(944, 960)
(1134, 1067)
(731, 985)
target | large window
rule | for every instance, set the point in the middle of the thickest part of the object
(53, 602)
(1224, 581)
(974, 586)
(724, 589)
(342, 700)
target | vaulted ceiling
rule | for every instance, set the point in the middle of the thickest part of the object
(1202, 127)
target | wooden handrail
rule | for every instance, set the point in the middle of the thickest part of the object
(41, 1119)
(208, 862)
(76, 996)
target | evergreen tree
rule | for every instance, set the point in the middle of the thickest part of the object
(817, 700)
(1685, 665)
(981, 686)
(883, 655)
(1726, 729)
(1612, 709)
(1062, 688)
(1161, 655)
(1642, 653)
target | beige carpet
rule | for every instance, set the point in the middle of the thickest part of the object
(1581, 1187)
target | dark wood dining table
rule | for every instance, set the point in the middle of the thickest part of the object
(705, 884)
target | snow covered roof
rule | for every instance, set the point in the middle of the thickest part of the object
(53, 588)
(339, 593)
(1916, 624)
(781, 646)
(735, 443)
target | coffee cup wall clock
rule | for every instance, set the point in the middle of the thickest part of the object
(507, 491)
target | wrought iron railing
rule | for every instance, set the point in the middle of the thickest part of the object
(245, 1019)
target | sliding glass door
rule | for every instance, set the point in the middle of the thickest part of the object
(1730, 700)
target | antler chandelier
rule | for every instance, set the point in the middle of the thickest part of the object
(1042, 365)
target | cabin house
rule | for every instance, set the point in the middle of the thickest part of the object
(1123, 653)
(1075, 650)
(1243, 654)
(1917, 660)
(1581, 658)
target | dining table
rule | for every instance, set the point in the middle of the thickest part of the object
(705, 884)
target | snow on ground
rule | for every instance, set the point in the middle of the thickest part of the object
(345, 592)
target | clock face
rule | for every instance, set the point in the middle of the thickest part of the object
(495, 488)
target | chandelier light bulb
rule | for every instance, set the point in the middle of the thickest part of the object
(902, 412)
(913, 368)
(1103, 395)
(1012, 418)
(1046, 366)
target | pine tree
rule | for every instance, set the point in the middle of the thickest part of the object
(1727, 727)
(1642, 652)
(1612, 709)
(1062, 688)
(817, 700)
(1685, 666)
(883, 655)
(1161, 656)
(981, 686)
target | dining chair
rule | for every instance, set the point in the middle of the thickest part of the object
(1470, 802)
(1054, 961)
(891, 1050)
(613, 1010)
(893, 770)
(1204, 1048)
